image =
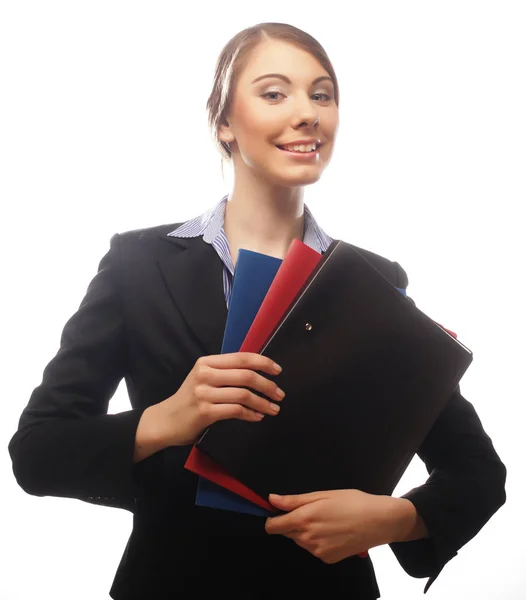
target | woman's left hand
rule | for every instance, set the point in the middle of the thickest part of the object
(335, 524)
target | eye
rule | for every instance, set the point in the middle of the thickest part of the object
(326, 97)
(322, 96)
(272, 94)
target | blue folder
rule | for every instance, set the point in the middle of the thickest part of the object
(253, 276)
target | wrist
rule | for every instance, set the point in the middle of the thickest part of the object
(407, 523)
(149, 437)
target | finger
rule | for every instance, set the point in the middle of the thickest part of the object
(282, 525)
(243, 378)
(242, 360)
(300, 539)
(221, 412)
(291, 502)
(239, 396)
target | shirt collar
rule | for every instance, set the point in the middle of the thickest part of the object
(210, 226)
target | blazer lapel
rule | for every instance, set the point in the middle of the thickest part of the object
(193, 273)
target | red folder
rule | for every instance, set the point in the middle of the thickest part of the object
(288, 283)
(199, 463)
(451, 333)
(295, 270)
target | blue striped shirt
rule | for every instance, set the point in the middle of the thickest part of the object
(210, 226)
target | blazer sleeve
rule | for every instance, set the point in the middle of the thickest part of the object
(464, 489)
(66, 444)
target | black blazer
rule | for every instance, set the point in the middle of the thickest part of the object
(155, 306)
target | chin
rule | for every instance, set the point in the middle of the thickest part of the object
(295, 177)
(302, 179)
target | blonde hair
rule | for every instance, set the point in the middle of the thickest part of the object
(234, 56)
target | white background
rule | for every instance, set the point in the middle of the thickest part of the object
(103, 129)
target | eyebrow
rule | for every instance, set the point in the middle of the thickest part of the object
(287, 80)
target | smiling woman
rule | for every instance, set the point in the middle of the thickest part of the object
(273, 112)
(278, 122)
(155, 315)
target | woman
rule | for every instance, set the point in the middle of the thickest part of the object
(155, 314)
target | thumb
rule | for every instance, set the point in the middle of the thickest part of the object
(291, 502)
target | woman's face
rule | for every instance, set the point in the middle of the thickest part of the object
(296, 103)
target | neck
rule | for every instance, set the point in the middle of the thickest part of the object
(263, 219)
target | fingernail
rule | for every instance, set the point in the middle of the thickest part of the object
(280, 393)
(274, 408)
(277, 368)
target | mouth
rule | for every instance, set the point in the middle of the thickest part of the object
(301, 151)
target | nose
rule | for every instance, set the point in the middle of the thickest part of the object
(306, 114)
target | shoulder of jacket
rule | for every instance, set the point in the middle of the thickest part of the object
(376, 260)
(389, 268)
(147, 233)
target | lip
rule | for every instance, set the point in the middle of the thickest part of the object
(301, 142)
(300, 155)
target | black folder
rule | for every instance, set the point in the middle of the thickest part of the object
(366, 374)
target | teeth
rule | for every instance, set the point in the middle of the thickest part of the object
(301, 147)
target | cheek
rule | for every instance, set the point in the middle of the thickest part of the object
(332, 122)
(254, 119)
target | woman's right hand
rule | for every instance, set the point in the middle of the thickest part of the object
(216, 389)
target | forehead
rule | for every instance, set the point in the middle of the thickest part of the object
(274, 56)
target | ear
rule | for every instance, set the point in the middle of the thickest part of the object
(224, 133)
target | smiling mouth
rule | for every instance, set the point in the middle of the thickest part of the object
(318, 146)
